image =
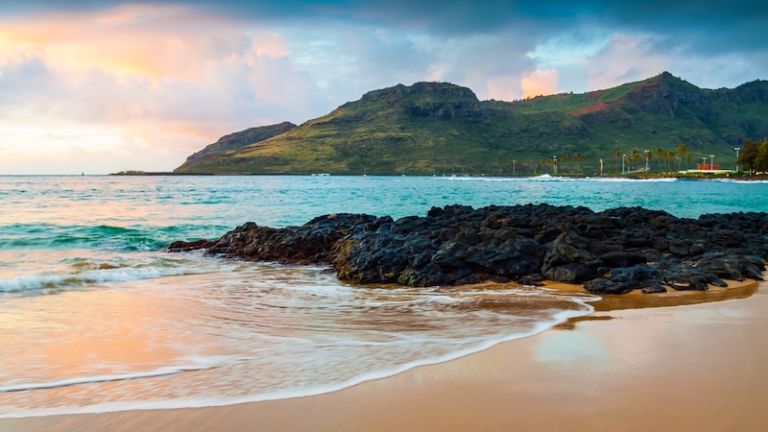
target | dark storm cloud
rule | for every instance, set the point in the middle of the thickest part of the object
(703, 26)
(455, 15)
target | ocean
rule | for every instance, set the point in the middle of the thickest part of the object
(95, 316)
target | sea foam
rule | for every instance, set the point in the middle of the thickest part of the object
(549, 178)
(218, 400)
(269, 332)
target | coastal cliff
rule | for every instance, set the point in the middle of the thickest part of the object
(610, 252)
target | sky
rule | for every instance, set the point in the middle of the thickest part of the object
(100, 86)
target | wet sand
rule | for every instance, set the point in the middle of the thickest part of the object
(631, 366)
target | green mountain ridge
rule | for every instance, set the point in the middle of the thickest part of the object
(441, 128)
(216, 153)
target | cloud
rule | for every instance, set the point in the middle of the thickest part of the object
(540, 82)
(617, 62)
(353, 59)
(165, 76)
(505, 87)
(634, 56)
(712, 20)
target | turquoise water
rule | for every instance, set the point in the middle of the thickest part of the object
(146, 213)
(96, 316)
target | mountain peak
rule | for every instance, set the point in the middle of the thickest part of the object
(422, 90)
(441, 88)
(666, 79)
(666, 75)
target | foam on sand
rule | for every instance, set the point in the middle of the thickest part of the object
(272, 332)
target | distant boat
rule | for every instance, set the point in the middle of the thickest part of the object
(320, 174)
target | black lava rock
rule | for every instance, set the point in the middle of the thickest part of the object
(612, 252)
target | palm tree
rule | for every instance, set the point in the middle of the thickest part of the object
(649, 155)
(578, 158)
(634, 157)
(682, 151)
(546, 163)
(669, 158)
(562, 162)
(660, 155)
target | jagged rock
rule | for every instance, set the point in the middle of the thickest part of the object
(532, 280)
(732, 266)
(622, 259)
(569, 260)
(607, 286)
(687, 278)
(653, 288)
(613, 252)
(624, 279)
(182, 246)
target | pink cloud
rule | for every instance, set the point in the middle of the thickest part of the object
(506, 87)
(165, 80)
(151, 41)
(626, 58)
(539, 82)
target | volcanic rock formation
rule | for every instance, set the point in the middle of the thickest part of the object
(610, 252)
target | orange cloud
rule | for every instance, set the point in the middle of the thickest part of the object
(147, 40)
(539, 82)
(135, 83)
(73, 147)
(506, 87)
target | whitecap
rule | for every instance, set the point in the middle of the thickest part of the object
(549, 178)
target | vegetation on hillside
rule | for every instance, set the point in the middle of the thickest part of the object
(754, 156)
(215, 157)
(663, 123)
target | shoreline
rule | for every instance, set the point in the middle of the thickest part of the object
(657, 176)
(327, 410)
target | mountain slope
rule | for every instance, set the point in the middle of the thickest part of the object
(214, 156)
(443, 128)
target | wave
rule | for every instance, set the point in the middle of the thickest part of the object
(549, 178)
(161, 372)
(38, 282)
(741, 181)
(305, 391)
(77, 272)
(105, 237)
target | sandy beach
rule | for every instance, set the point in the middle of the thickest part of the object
(697, 366)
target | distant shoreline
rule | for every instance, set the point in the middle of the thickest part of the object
(630, 177)
(156, 173)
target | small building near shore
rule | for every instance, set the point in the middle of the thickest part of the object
(706, 166)
(708, 172)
